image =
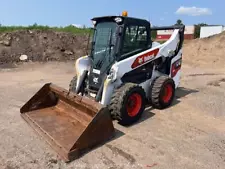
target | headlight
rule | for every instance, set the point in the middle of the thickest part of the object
(171, 53)
(113, 74)
(118, 19)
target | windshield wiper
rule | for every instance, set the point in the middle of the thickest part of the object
(110, 42)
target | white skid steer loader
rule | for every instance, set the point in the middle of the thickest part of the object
(126, 68)
(124, 71)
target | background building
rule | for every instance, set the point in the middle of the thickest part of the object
(166, 34)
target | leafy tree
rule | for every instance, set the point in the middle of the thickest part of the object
(179, 22)
(153, 34)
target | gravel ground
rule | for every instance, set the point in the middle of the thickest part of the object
(188, 135)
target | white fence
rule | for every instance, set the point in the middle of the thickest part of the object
(207, 31)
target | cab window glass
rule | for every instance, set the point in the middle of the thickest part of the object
(135, 38)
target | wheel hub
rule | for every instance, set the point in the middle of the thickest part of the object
(134, 104)
(168, 91)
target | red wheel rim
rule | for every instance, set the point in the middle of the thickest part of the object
(168, 91)
(134, 104)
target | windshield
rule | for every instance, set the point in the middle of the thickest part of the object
(104, 40)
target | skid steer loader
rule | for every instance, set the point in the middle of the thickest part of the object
(124, 71)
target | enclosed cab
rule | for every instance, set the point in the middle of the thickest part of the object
(115, 38)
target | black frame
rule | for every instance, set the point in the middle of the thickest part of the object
(126, 21)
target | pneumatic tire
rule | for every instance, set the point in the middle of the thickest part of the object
(162, 92)
(72, 86)
(128, 104)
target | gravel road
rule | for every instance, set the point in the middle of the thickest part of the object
(188, 135)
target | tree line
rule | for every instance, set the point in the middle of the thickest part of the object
(85, 29)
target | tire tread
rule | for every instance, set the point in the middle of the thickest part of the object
(72, 85)
(118, 100)
(156, 88)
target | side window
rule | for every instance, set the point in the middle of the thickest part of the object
(135, 38)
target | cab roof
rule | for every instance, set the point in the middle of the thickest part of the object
(124, 18)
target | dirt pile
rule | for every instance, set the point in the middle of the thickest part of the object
(41, 45)
(206, 52)
(48, 45)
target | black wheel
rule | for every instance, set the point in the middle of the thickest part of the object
(128, 104)
(162, 92)
(72, 86)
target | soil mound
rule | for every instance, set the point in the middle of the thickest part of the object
(49, 45)
(206, 52)
(41, 45)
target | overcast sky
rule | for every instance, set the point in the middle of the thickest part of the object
(65, 12)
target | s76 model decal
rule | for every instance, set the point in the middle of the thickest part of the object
(176, 66)
(142, 59)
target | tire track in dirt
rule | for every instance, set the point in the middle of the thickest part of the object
(122, 153)
(216, 82)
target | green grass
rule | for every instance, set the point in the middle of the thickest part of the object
(70, 29)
